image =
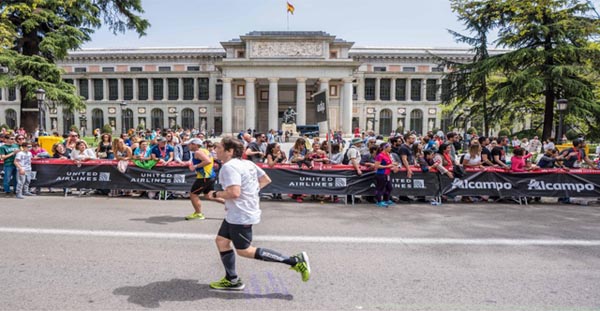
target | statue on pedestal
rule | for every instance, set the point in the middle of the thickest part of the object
(289, 116)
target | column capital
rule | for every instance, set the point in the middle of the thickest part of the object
(273, 80)
(301, 79)
(226, 80)
(348, 79)
(250, 80)
(324, 80)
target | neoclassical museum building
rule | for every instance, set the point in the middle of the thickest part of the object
(250, 82)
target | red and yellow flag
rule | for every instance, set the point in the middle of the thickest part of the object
(290, 8)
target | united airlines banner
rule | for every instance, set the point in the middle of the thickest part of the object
(321, 106)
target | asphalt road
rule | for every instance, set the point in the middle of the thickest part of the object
(96, 253)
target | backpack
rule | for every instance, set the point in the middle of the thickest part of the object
(346, 160)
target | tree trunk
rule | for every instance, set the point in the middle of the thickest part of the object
(548, 113)
(29, 119)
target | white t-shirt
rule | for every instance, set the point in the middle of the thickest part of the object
(24, 159)
(244, 210)
(475, 161)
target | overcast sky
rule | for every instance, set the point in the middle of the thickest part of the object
(397, 23)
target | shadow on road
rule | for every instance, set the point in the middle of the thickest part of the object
(164, 220)
(150, 296)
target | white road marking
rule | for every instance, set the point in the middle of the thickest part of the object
(306, 239)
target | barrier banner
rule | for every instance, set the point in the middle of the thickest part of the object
(105, 175)
(478, 183)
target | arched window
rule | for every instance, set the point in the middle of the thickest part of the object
(68, 121)
(11, 118)
(157, 116)
(187, 118)
(127, 119)
(416, 121)
(385, 122)
(97, 119)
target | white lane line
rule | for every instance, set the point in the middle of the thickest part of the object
(306, 239)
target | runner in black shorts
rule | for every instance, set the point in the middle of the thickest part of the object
(202, 163)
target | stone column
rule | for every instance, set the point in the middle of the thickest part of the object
(150, 89)
(423, 90)
(301, 101)
(360, 90)
(135, 89)
(273, 103)
(438, 93)
(120, 89)
(75, 82)
(196, 91)
(165, 89)
(212, 88)
(90, 89)
(393, 89)
(409, 89)
(347, 107)
(250, 104)
(227, 105)
(324, 86)
(104, 90)
(378, 89)
(180, 89)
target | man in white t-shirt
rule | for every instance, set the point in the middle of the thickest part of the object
(242, 181)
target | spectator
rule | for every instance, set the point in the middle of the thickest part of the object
(82, 153)
(516, 142)
(298, 153)
(142, 152)
(406, 154)
(162, 152)
(473, 157)
(499, 155)
(8, 151)
(60, 152)
(71, 142)
(575, 155)
(517, 162)
(336, 155)
(354, 155)
(452, 140)
(104, 149)
(38, 152)
(22, 162)
(383, 167)
(551, 159)
(254, 151)
(443, 160)
(535, 145)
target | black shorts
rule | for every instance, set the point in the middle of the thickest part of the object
(240, 235)
(203, 185)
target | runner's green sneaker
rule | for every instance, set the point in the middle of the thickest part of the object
(225, 284)
(303, 266)
(194, 216)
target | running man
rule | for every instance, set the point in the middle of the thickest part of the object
(242, 180)
(202, 162)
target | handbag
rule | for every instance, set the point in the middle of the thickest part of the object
(122, 166)
(458, 171)
(102, 155)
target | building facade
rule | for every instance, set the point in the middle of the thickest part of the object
(249, 83)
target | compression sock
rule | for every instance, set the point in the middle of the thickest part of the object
(228, 259)
(270, 255)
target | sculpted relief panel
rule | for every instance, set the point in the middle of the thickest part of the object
(286, 49)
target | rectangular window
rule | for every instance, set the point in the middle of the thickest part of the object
(136, 69)
(188, 88)
(384, 89)
(437, 69)
(241, 54)
(127, 89)
(83, 88)
(173, 85)
(98, 89)
(380, 69)
(445, 90)
(400, 89)
(431, 89)
(164, 68)
(157, 88)
(203, 88)
(113, 89)
(370, 89)
(193, 68)
(80, 69)
(240, 90)
(12, 94)
(219, 94)
(409, 69)
(143, 89)
(108, 69)
(415, 89)
(70, 81)
(333, 54)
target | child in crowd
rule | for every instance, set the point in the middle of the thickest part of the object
(518, 161)
(551, 159)
(23, 164)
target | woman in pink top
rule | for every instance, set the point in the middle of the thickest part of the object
(517, 162)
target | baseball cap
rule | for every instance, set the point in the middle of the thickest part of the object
(161, 139)
(195, 141)
(356, 141)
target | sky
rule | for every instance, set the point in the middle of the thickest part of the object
(393, 23)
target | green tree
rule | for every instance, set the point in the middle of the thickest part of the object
(34, 34)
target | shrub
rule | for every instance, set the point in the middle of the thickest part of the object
(572, 134)
(504, 132)
(107, 129)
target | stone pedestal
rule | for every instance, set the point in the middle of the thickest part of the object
(290, 127)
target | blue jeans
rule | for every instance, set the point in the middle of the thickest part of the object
(10, 174)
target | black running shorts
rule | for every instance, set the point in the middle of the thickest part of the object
(203, 185)
(240, 235)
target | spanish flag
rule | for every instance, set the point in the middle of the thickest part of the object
(290, 8)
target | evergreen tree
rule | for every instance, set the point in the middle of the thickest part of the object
(35, 34)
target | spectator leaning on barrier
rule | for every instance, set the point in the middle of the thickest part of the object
(406, 154)
(452, 140)
(354, 154)
(575, 155)
(162, 152)
(498, 153)
(7, 153)
(60, 152)
(253, 150)
(486, 153)
(551, 159)
(82, 153)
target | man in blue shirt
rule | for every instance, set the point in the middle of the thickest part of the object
(162, 152)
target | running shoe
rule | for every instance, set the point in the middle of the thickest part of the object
(381, 204)
(194, 216)
(302, 266)
(389, 202)
(226, 284)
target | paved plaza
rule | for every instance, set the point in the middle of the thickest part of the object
(99, 253)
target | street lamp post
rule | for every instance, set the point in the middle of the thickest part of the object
(40, 94)
(123, 106)
(466, 111)
(561, 106)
